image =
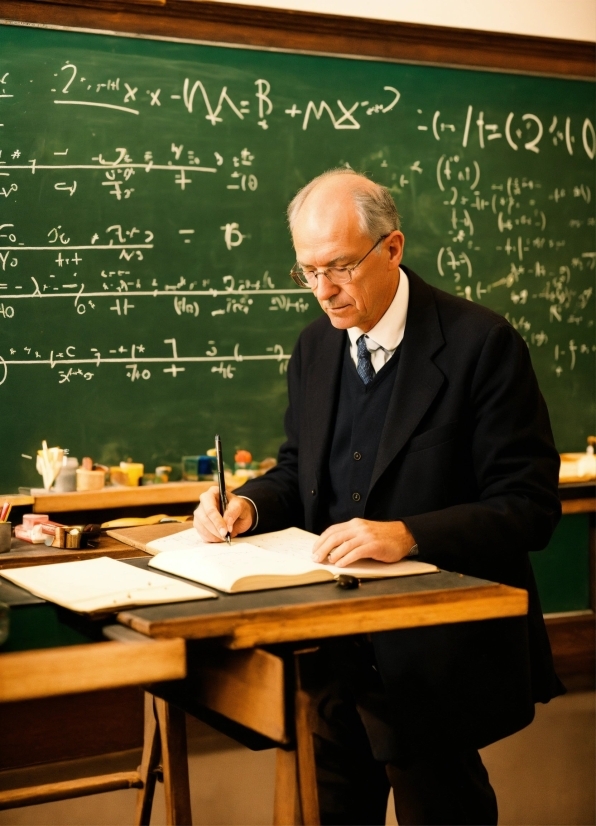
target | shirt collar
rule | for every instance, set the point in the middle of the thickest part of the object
(389, 330)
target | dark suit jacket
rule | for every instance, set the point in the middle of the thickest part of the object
(466, 459)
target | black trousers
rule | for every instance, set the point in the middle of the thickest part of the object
(442, 787)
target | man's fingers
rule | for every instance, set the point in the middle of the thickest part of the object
(210, 524)
(351, 557)
(234, 512)
(333, 539)
(345, 548)
(208, 514)
(206, 529)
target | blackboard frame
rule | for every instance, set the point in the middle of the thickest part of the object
(311, 32)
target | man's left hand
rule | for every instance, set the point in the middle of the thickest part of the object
(357, 539)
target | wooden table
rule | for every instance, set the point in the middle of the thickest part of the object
(250, 655)
(240, 678)
(66, 691)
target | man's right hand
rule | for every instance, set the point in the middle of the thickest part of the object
(212, 527)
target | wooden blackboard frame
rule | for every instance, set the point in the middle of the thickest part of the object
(310, 32)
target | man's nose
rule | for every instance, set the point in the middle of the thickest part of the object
(325, 289)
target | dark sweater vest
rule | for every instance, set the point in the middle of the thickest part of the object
(361, 412)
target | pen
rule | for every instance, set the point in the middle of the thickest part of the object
(223, 499)
(5, 512)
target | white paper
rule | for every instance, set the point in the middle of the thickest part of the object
(102, 584)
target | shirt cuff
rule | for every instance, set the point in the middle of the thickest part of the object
(248, 499)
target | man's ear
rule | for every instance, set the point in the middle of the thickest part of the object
(395, 245)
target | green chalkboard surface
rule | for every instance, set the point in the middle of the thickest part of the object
(144, 293)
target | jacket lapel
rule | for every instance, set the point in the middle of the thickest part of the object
(418, 379)
(321, 388)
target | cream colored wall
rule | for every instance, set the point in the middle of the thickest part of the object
(570, 19)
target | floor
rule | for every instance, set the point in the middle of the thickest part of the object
(543, 776)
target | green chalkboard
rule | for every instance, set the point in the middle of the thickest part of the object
(144, 293)
(563, 569)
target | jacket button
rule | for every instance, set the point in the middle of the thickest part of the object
(313, 492)
(356, 496)
(357, 456)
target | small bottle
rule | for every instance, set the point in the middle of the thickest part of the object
(586, 466)
(67, 478)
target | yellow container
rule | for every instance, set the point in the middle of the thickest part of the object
(133, 472)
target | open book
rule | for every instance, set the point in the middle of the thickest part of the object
(102, 584)
(280, 559)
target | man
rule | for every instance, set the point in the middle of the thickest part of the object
(415, 427)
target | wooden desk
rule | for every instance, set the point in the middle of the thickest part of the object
(64, 694)
(324, 610)
(264, 691)
(253, 687)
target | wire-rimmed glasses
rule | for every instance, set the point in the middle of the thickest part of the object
(309, 278)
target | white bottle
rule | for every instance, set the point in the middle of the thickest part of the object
(586, 466)
(66, 480)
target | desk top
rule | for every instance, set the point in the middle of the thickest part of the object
(324, 610)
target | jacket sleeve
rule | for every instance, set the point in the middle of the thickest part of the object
(276, 495)
(515, 463)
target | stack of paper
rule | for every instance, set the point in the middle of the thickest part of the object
(102, 584)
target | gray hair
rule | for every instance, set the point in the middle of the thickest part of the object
(374, 205)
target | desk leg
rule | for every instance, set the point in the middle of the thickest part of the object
(296, 798)
(165, 738)
(149, 763)
(172, 729)
(305, 752)
(286, 806)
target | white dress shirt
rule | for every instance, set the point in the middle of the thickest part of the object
(383, 339)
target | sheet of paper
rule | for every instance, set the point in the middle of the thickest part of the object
(102, 584)
(291, 543)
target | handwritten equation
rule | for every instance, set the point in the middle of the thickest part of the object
(71, 365)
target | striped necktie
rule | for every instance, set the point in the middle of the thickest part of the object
(364, 367)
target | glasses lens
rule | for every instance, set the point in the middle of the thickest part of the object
(299, 277)
(338, 275)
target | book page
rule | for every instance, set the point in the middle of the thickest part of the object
(221, 565)
(291, 543)
(102, 584)
(299, 544)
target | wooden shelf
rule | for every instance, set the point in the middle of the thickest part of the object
(178, 493)
(121, 497)
(17, 499)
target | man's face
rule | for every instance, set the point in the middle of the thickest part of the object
(327, 233)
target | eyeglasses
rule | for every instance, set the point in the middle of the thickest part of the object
(309, 278)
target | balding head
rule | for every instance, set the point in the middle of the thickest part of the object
(342, 189)
(344, 229)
